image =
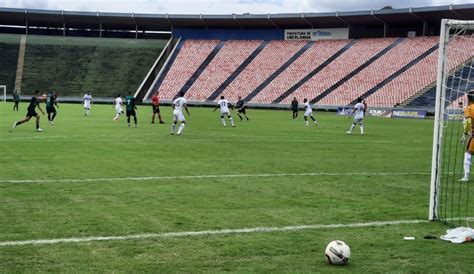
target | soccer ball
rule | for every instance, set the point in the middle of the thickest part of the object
(338, 252)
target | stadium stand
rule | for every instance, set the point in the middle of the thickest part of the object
(311, 59)
(422, 75)
(9, 45)
(426, 95)
(191, 55)
(347, 62)
(383, 68)
(231, 56)
(72, 66)
(273, 57)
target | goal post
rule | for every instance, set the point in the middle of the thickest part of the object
(449, 198)
(3, 92)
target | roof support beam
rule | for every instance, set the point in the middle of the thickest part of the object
(307, 21)
(26, 22)
(100, 24)
(342, 20)
(385, 25)
(64, 23)
(169, 22)
(425, 24)
(204, 22)
(456, 13)
(237, 21)
(136, 25)
(273, 22)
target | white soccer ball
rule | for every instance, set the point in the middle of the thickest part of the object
(338, 252)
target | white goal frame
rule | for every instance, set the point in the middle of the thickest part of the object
(4, 93)
(441, 80)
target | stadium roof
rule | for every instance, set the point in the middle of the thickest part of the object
(167, 22)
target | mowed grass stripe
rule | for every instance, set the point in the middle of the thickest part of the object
(218, 176)
(205, 233)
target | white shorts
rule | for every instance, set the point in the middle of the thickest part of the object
(223, 113)
(308, 112)
(178, 116)
(358, 121)
(87, 106)
(118, 110)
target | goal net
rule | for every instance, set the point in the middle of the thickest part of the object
(449, 197)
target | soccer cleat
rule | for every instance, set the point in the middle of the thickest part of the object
(172, 133)
(161, 122)
(136, 126)
(180, 134)
(464, 179)
(128, 125)
(15, 124)
(152, 122)
(348, 132)
(51, 123)
(39, 129)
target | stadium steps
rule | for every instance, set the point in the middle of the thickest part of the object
(395, 75)
(21, 63)
(9, 59)
(313, 73)
(162, 77)
(146, 87)
(427, 96)
(201, 68)
(356, 71)
(461, 80)
(278, 71)
(237, 72)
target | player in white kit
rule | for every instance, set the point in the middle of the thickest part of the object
(308, 112)
(224, 105)
(178, 105)
(87, 104)
(359, 109)
(118, 107)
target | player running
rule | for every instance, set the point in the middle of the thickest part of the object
(34, 103)
(241, 109)
(155, 102)
(178, 105)
(131, 106)
(51, 101)
(118, 103)
(359, 117)
(87, 104)
(224, 105)
(294, 108)
(308, 112)
(468, 133)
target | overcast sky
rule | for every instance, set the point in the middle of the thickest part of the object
(221, 6)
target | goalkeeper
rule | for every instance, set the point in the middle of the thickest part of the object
(468, 133)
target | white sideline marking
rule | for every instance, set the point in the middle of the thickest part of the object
(4, 181)
(203, 233)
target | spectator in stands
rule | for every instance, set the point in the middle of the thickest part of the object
(16, 100)
(155, 101)
(294, 107)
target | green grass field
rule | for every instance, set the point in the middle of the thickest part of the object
(300, 176)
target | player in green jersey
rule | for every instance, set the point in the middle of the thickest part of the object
(130, 102)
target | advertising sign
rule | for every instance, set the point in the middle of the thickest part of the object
(316, 34)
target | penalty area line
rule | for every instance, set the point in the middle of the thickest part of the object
(204, 233)
(215, 176)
